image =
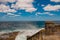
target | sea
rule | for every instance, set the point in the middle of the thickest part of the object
(21, 25)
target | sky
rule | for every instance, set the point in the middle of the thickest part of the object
(29, 10)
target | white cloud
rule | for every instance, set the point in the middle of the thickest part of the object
(12, 15)
(20, 5)
(38, 13)
(5, 1)
(30, 9)
(4, 8)
(52, 8)
(51, 14)
(24, 5)
(42, 5)
(55, 0)
(44, 13)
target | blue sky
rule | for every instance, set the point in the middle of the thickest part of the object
(29, 10)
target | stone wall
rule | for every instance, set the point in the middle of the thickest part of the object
(8, 36)
(52, 28)
(51, 32)
(37, 36)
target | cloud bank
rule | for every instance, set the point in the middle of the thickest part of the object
(25, 5)
(51, 8)
(20, 5)
(55, 0)
(5, 1)
(4, 8)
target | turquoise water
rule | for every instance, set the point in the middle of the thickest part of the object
(21, 25)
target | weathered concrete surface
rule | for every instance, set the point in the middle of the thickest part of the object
(51, 37)
(8, 36)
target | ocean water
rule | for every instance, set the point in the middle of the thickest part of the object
(10, 26)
